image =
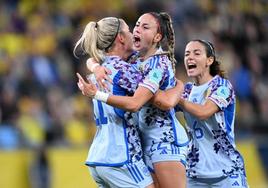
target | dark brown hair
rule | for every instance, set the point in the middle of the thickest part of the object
(215, 68)
(168, 36)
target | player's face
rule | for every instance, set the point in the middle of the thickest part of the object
(195, 59)
(144, 33)
(128, 44)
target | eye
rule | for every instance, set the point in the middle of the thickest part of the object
(145, 27)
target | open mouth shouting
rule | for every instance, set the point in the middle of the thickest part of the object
(136, 41)
(191, 67)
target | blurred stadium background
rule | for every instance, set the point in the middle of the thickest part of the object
(46, 125)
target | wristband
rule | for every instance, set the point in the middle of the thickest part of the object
(101, 96)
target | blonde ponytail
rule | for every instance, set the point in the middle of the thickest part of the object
(98, 37)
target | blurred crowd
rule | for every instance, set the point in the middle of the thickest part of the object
(40, 104)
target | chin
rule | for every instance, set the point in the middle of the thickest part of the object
(191, 74)
(136, 48)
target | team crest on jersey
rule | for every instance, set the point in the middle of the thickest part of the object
(223, 91)
(141, 67)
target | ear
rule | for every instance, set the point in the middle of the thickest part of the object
(209, 61)
(121, 38)
(157, 38)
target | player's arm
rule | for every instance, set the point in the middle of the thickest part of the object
(133, 103)
(202, 112)
(166, 100)
(217, 100)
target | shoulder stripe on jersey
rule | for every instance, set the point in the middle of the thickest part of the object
(153, 61)
(218, 81)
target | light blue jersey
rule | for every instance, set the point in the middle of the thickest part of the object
(212, 150)
(115, 158)
(162, 134)
(116, 141)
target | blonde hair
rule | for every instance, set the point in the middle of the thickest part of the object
(98, 37)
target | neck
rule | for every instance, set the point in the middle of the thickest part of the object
(202, 78)
(146, 54)
(119, 51)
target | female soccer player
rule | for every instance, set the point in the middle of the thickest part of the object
(209, 108)
(115, 158)
(164, 139)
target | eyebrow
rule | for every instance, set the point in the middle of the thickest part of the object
(144, 24)
(194, 50)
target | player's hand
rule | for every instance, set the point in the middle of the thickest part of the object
(87, 87)
(102, 77)
(101, 73)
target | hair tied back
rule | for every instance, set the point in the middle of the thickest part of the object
(96, 26)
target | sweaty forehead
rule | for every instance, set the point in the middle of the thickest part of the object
(194, 45)
(147, 19)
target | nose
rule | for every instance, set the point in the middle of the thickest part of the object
(188, 58)
(136, 29)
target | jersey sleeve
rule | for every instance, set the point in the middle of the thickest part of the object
(221, 94)
(153, 74)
